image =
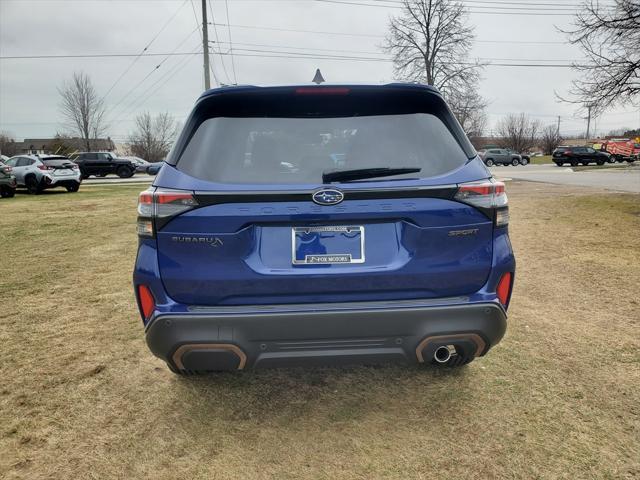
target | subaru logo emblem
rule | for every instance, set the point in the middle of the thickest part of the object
(327, 196)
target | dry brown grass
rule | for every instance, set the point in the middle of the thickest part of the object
(82, 397)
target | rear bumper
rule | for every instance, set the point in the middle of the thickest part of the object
(49, 181)
(229, 338)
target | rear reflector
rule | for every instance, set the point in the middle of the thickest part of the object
(147, 302)
(322, 91)
(504, 288)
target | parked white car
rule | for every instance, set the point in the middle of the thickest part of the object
(40, 172)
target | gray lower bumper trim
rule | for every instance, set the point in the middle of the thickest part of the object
(323, 334)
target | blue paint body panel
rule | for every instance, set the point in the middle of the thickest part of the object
(257, 253)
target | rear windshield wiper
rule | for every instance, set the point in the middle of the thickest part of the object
(364, 173)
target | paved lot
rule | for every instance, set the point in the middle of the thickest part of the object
(621, 177)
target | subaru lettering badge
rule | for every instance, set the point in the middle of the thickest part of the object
(327, 196)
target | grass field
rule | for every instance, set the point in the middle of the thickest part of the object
(82, 397)
(541, 160)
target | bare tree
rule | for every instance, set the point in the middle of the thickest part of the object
(609, 36)
(470, 110)
(8, 145)
(620, 132)
(82, 108)
(430, 42)
(550, 138)
(153, 137)
(518, 132)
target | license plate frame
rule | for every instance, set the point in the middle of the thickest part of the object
(332, 258)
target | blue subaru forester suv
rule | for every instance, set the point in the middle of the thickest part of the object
(303, 225)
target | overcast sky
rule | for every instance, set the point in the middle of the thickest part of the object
(513, 32)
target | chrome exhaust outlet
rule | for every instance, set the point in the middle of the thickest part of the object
(444, 353)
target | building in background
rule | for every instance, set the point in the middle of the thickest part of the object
(61, 145)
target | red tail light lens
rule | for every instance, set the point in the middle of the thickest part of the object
(161, 203)
(7, 169)
(147, 302)
(44, 167)
(504, 288)
(489, 196)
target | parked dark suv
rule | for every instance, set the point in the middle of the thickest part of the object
(322, 224)
(7, 181)
(579, 155)
(102, 164)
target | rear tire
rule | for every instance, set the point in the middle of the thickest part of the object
(515, 162)
(489, 162)
(7, 192)
(524, 162)
(73, 188)
(560, 164)
(33, 186)
(124, 172)
(600, 162)
(612, 159)
(574, 163)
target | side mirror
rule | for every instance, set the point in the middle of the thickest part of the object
(154, 169)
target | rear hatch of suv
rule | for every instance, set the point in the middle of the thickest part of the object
(244, 216)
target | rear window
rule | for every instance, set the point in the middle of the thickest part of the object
(298, 150)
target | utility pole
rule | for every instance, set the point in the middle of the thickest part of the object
(205, 46)
(558, 129)
(588, 120)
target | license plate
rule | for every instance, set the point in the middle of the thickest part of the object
(327, 245)
(63, 172)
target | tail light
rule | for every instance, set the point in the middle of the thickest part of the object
(489, 196)
(146, 301)
(7, 169)
(567, 153)
(504, 288)
(156, 206)
(44, 167)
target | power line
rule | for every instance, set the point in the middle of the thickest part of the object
(195, 17)
(379, 59)
(498, 3)
(309, 49)
(233, 62)
(354, 58)
(160, 82)
(349, 34)
(112, 109)
(489, 10)
(215, 32)
(135, 60)
(277, 29)
(94, 55)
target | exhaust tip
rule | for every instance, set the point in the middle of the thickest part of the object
(444, 353)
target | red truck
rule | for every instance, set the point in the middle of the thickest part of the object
(622, 149)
